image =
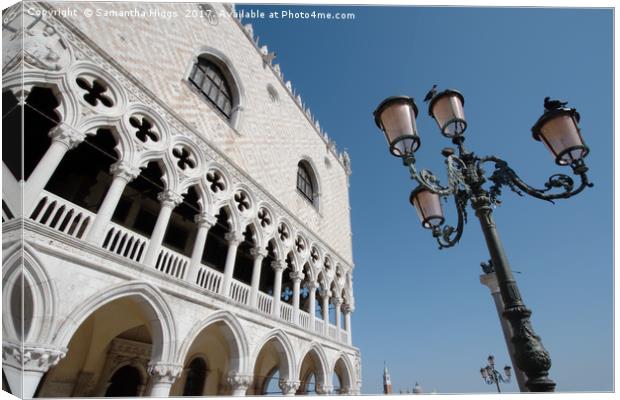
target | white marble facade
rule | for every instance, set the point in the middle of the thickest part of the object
(99, 296)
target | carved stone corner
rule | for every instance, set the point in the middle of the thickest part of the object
(31, 357)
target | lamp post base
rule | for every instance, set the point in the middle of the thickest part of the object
(529, 352)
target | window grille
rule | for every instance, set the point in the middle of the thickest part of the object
(211, 82)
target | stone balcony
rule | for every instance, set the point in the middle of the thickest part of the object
(53, 215)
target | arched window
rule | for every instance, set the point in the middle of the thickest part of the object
(209, 79)
(305, 183)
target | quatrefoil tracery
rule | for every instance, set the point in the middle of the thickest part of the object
(314, 254)
(185, 158)
(95, 92)
(287, 293)
(145, 128)
(299, 244)
(283, 232)
(216, 181)
(264, 217)
(242, 200)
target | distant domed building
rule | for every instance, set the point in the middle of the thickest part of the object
(387, 384)
(179, 223)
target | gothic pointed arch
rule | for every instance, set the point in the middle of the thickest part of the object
(285, 352)
(314, 361)
(343, 368)
(152, 302)
(234, 335)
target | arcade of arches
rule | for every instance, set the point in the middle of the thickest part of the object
(117, 350)
(120, 348)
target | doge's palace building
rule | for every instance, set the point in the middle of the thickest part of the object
(178, 223)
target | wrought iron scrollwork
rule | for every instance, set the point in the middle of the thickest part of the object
(503, 175)
(454, 166)
(448, 236)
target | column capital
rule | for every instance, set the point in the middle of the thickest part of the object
(312, 286)
(205, 220)
(325, 293)
(297, 276)
(169, 198)
(258, 252)
(288, 387)
(348, 308)
(31, 357)
(323, 389)
(238, 381)
(278, 265)
(233, 238)
(124, 171)
(66, 135)
(165, 372)
(337, 300)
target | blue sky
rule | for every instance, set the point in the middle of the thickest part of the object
(421, 309)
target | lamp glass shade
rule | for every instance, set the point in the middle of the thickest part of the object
(483, 372)
(562, 137)
(558, 129)
(507, 371)
(491, 360)
(396, 117)
(447, 110)
(428, 207)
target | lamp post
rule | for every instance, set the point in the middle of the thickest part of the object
(557, 128)
(492, 376)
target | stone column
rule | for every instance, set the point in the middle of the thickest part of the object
(123, 173)
(64, 138)
(163, 376)
(348, 309)
(259, 254)
(25, 366)
(204, 222)
(323, 389)
(337, 304)
(169, 200)
(234, 239)
(278, 266)
(296, 276)
(490, 280)
(238, 383)
(289, 388)
(312, 286)
(325, 294)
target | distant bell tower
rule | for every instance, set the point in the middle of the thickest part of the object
(387, 382)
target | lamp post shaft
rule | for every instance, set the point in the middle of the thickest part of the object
(529, 352)
(496, 379)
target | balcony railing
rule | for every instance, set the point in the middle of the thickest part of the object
(172, 263)
(344, 336)
(240, 292)
(62, 215)
(286, 312)
(68, 218)
(304, 319)
(331, 330)
(319, 326)
(264, 302)
(125, 242)
(209, 279)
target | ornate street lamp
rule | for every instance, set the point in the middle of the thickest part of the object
(557, 128)
(492, 376)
